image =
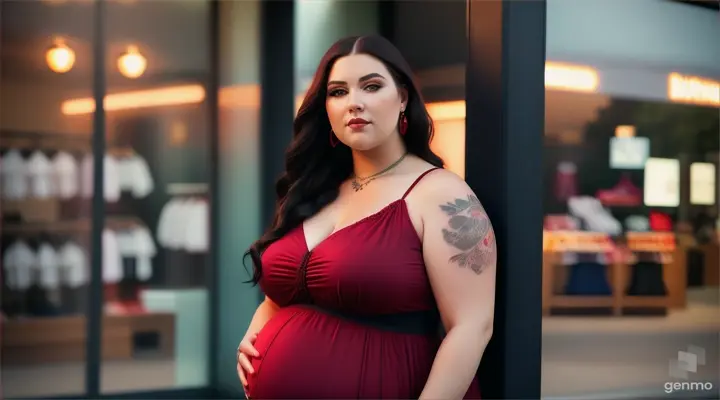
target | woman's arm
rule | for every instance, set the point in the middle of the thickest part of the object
(262, 315)
(460, 257)
(246, 349)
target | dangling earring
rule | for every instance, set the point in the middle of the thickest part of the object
(333, 139)
(403, 123)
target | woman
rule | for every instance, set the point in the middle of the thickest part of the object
(373, 244)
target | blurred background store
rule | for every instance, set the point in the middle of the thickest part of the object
(157, 133)
(631, 270)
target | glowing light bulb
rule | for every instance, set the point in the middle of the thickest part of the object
(132, 64)
(60, 58)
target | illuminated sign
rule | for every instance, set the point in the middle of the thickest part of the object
(662, 182)
(573, 78)
(161, 97)
(693, 90)
(629, 152)
(702, 183)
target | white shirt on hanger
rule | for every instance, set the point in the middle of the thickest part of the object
(47, 265)
(197, 230)
(139, 244)
(14, 176)
(65, 169)
(134, 176)
(74, 265)
(111, 180)
(171, 224)
(18, 261)
(40, 174)
(184, 225)
(112, 260)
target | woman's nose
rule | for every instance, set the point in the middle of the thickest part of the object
(355, 101)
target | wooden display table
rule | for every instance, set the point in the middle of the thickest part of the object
(619, 268)
(63, 339)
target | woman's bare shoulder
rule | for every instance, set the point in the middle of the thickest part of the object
(441, 186)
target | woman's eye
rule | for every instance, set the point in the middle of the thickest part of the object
(337, 92)
(373, 87)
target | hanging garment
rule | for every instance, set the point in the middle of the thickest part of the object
(184, 225)
(588, 279)
(40, 173)
(647, 279)
(112, 260)
(134, 176)
(73, 264)
(197, 234)
(14, 176)
(66, 175)
(137, 243)
(566, 181)
(48, 267)
(111, 181)
(18, 261)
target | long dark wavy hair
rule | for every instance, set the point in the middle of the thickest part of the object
(314, 170)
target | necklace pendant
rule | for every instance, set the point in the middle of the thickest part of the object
(357, 186)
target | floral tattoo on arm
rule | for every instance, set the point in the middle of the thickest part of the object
(469, 231)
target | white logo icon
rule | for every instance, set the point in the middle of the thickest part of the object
(687, 362)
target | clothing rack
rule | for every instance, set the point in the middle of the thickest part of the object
(80, 144)
(180, 189)
(70, 227)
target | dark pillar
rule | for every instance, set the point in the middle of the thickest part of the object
(505, 113)
(93, 343)
(277, 105)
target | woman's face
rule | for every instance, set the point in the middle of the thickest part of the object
(363, 102)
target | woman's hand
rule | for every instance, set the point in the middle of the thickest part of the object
(246, 350)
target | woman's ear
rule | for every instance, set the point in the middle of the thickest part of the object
(403, 97)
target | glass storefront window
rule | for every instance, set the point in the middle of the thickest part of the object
(630, 266)
(155, 240)
(157, 172)
(45, 57)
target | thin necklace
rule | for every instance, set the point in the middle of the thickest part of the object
(359, 183)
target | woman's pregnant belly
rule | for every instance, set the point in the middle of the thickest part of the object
(307, 354)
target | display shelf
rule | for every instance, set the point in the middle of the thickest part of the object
(661, 244)
(651, 242)
(65, 227)
(47, 141)
(577, 242)
(26, 340)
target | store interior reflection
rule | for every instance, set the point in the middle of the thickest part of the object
(631, 262)
(155, 327)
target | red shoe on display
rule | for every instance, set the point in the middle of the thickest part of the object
(625, 193)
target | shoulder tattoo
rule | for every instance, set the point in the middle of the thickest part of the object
(469, 231)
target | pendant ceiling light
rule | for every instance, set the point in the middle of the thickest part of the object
(60, 58)
(132, 64)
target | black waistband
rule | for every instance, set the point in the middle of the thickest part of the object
(415, 322)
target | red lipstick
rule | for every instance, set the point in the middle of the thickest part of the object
(357, 123)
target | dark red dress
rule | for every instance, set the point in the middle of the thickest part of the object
(333, 336)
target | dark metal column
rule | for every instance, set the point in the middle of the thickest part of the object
(95, 302)
(213, 93)
(505, 116)
(277, 106)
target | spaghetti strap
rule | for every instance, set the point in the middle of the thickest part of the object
(417, 181)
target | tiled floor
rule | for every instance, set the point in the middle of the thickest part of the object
(626, 357)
